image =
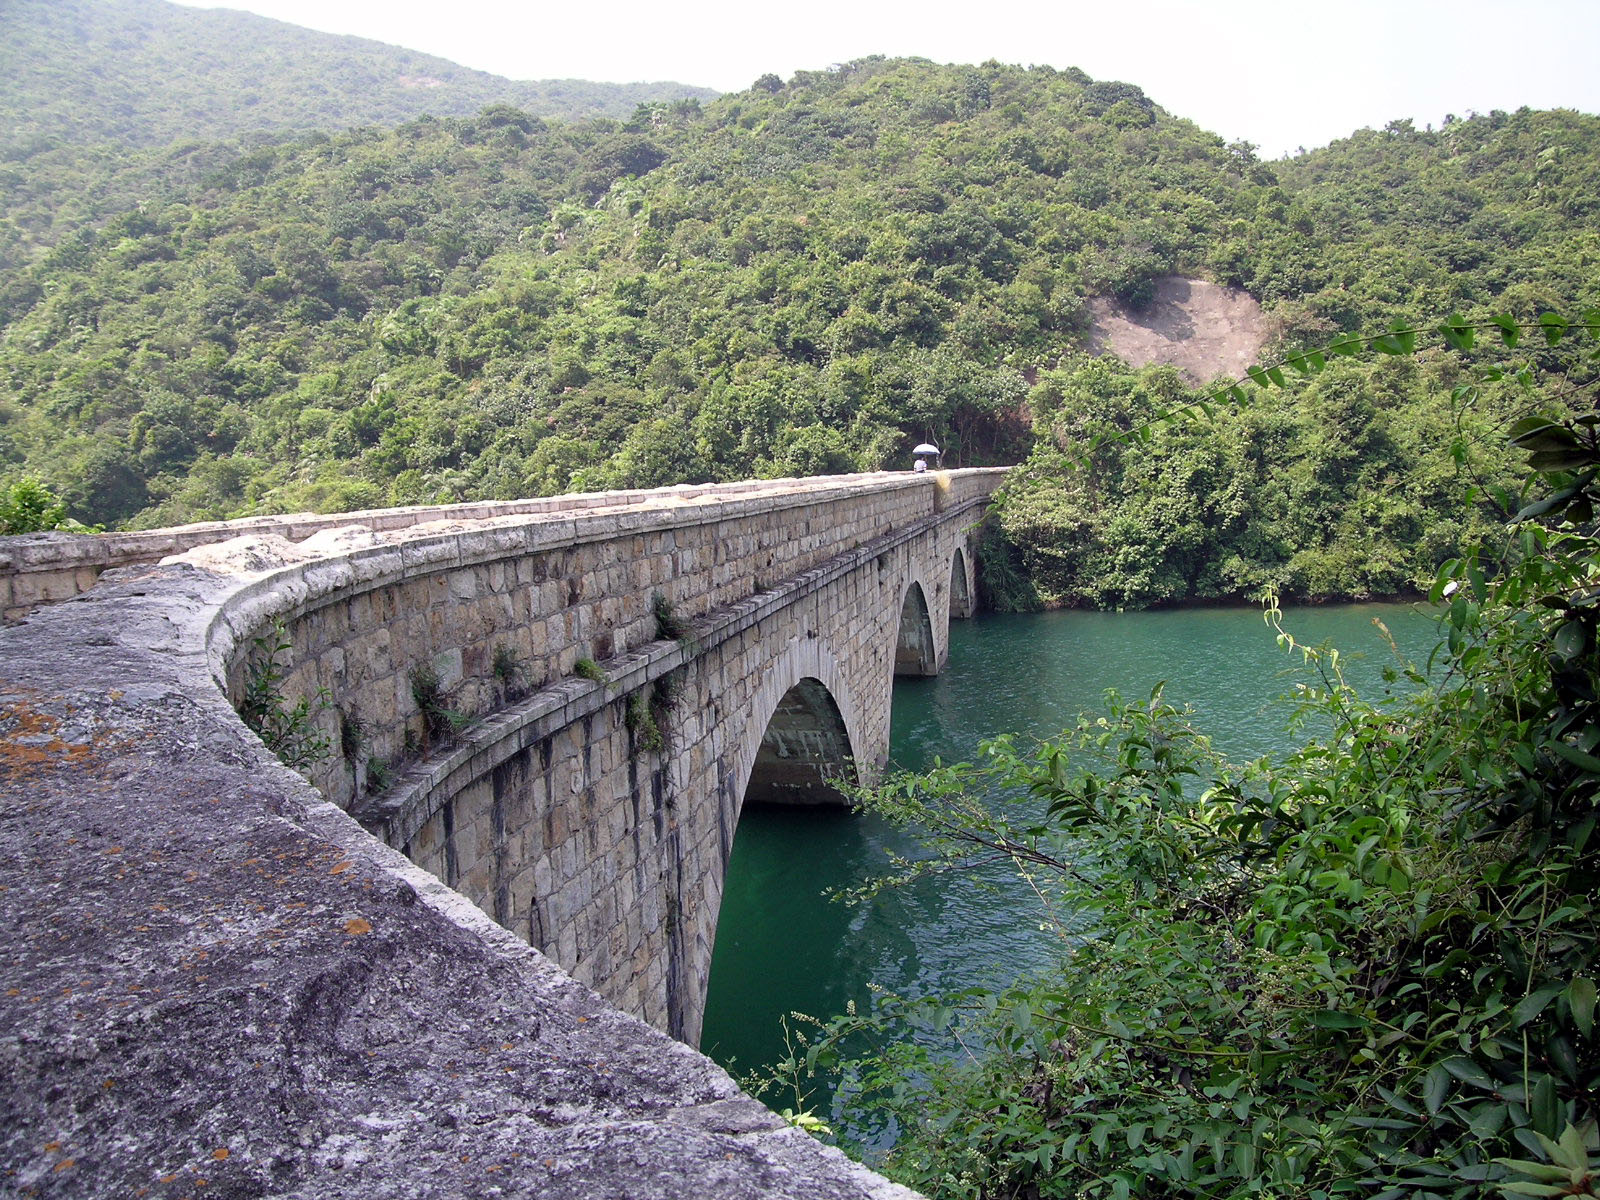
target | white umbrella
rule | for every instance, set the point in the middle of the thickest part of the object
(926, 448)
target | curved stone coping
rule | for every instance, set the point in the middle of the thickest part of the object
(400, 812)
(294, 590)
(120, 549)
(213, 974)
(43, 568)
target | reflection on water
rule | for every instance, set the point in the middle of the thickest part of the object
(783, 947)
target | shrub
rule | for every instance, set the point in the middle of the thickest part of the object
(289, 731)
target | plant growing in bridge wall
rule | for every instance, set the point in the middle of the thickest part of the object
(669, 625)
(380, 774)
(640, 718)
(352, 734)
(508, 674)
(1367, 968)
(289, 731)
(441, 722)
(587, 668)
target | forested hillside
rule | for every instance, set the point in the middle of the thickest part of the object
(84, 84)
(148, 73)
(807, 276)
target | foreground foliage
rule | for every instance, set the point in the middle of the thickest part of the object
(27, 506)
(1365, 968)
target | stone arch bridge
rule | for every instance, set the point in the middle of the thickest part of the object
(555, 708)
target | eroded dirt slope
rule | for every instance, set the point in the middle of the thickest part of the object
(1203, 329)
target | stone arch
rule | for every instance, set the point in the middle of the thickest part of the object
(804, 749)
(915, 651)
(961, 602)
(802, 725)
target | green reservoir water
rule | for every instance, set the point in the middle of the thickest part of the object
(783, 947)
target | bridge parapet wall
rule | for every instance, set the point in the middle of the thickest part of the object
(46, 568)
(551, 816)
(542, 591)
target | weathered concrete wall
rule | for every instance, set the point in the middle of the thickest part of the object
(219, 975)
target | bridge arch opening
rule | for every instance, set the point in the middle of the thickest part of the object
(961, 606)
(805, 749)
(915, 652)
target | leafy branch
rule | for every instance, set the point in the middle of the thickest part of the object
(288, 730)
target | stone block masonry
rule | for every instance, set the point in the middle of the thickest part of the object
(45, 568)
(218, 975)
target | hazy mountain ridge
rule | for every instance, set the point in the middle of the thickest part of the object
(145, 73)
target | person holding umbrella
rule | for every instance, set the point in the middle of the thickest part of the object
(922, 451)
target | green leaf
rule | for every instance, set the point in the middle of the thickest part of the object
(1570, 640)
(1469, 1072)
(1580, 995)
(1560, 460)
(1457, 332)
(1333, 1018)
(1244, 1159)
(1531, 1005)
(1510, 331)
(1261, 378)
(1555, 500)
(1487, 1120)
(1348, 346)
(1276, 375)
(1541, 433)
(1532, 1189)
(1554, 326)
(1576, 757)
(1545, 1107)
(1571, 1152)
(1533, 1168)
(1435, 1086)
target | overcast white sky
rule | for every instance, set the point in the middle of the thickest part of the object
(1279, 73)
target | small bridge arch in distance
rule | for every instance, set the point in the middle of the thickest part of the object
(962, 602)
(916, 651)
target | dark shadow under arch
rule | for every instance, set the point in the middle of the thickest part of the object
(961, 606)
(915, 652)
(805, 747)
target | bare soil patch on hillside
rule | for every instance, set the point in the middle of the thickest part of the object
(1203, 329)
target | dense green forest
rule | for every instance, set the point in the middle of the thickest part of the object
(86, 85)
(808, 276)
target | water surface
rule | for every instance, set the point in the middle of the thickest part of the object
(782, 946)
